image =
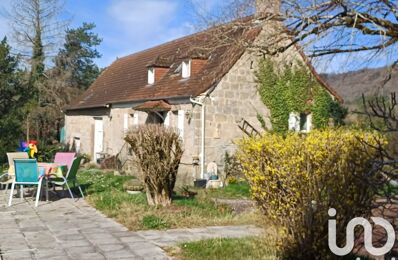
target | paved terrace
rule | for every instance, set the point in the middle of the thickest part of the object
(70, 229)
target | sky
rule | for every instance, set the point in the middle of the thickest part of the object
(128, 26)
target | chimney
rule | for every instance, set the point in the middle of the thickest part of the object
(267, 7)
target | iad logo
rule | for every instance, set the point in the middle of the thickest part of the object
(379, 251)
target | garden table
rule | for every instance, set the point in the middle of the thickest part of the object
(49, 170)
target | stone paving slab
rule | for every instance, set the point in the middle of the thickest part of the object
(71, 229)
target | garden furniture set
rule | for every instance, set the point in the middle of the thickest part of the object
(28, 172)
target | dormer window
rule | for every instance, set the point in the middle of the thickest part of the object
(186, 69)
(151, 75)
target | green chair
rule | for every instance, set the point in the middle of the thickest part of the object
(70, 177)
(26, 173)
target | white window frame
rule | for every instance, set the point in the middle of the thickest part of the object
(151, 75)
(186, 69)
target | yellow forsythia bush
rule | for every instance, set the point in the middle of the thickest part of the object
(296, 178)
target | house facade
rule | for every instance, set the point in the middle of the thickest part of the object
(207, 91)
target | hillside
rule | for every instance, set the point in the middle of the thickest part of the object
(351, 85)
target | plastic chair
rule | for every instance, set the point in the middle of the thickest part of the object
(26, 173)
(70, 177)
(10, 174)
(65, 159)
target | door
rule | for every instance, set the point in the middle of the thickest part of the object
(98, 138)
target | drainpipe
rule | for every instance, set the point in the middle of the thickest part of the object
(202, 145)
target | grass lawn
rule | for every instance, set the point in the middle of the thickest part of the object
(240, 190)
(105, 192)
(225, 248)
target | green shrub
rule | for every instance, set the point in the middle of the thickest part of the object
(297, 178)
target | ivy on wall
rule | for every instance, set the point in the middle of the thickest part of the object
(295, 90)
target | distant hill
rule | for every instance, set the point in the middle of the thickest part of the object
(351, 85)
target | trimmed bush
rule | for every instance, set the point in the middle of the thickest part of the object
(296, 178)
(158, 152)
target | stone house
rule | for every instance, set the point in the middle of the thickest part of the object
(205, 89)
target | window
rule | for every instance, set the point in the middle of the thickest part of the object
(186, 69)
(305, 122)
(151, 76)
(300, 122)
(155, 117)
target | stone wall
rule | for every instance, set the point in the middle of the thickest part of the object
(235, 98)
(79, 125)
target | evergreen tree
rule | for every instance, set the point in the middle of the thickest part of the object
(76, 58)
(13, 98)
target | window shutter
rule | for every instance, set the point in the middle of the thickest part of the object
(309, 122)
(181, 116)
(294, 122)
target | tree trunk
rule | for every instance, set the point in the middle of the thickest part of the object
(155, 198)
(149, 195)
(163, 199)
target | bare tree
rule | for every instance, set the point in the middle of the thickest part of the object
(322, 28)
(37, 29)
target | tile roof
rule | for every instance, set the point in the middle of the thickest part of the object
(125, 80)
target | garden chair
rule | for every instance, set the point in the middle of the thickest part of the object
(70, 177)
(26, 173)
(8, 177)
(65, 159)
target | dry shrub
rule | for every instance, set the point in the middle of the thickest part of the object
(158, 152)
(295, 180)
